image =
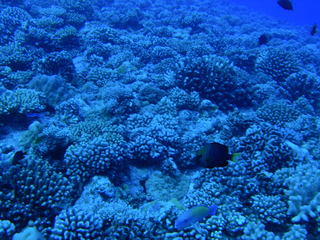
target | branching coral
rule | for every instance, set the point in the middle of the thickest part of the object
(256, 230)
(57, 63)
(278, 113)
(21, 101)
(266, 148)
(271, 209)
(12, 17)
(7, 229)
(76, 224)
(15, 56)
(302, 84)
(35, 191)
(41, 186)
(214, 78)
(304, 193)
(98, 156)
(129, 92)
(277, 63)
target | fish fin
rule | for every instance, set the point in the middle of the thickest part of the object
(198, 228)
(235, 156)
(177, 203)
(213, 210)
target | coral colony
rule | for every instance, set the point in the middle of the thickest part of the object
(118, 120)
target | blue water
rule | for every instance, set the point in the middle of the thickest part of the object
(159, 120)
(306, 12)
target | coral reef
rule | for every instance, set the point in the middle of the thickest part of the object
(34, 191)
(21, 101)
(278, 113)
(304, 202)
(109, 111)
(76, 224)
(302, 84)
(277, 63)
(105, 154)
(214, 78)
(7, 229)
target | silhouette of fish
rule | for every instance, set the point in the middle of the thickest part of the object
(314, 29)
(215, 155)
(17, 157)
(285, 4)
(264, 39)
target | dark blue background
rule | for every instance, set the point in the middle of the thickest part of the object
(305, 12)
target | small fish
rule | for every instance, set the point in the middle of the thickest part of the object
(194, 215)
(34, 115)
(17, 157)
(264, 39)
(314, 29)
(285, 4)
(215, 155)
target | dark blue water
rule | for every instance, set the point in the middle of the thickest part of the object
(304, 12)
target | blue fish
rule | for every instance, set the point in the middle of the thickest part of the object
(35, 115)
(194, 215)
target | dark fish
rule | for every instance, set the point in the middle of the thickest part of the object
(285, 4)
(143, 184)
(214, 155)
(5, 187)
(264, 39)
(18, 156)
(314, 29)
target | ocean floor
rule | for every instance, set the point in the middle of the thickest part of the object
(178, 120)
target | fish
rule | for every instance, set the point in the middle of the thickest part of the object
(285, 4)
(177, 203)
(314, 29)
(35, 115)
(264, 39)
(215, 155)
(194, 215)
(17, 157)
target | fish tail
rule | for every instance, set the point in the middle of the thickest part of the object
(235, 156)
(213, 210)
